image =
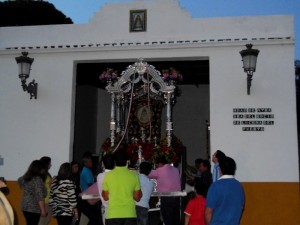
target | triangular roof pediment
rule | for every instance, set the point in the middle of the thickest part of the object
(166, 22)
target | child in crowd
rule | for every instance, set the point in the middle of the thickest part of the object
(194, 212)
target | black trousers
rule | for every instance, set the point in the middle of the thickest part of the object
(121, 221)
(64, 220)
(31, 218)
(170, 210)
(93, 212)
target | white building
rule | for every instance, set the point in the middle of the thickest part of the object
(257, 130)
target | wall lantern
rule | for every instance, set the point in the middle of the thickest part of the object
(249, 57)
(24, 63)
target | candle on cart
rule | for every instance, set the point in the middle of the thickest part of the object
(140, 151)
(169, 126)
(155, 141)
(112, 125)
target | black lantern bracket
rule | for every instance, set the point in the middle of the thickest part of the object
(249, 58)
(24, 63)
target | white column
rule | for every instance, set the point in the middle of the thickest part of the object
(112, 120)
(169, 123)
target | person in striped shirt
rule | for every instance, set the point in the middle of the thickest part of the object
(63, 200)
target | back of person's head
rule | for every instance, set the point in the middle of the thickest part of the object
(45, 160)
(206, 164)
(120, 158)
(64, 171)
(46, 163)
(87, 160)
(200, 187)
(161, 160)
(227, 166)
(87, 154)
(74, 162)
(220, 154)
(145, 168)
(35, 169)
(108, 161)
(75, 167)
(197, 162)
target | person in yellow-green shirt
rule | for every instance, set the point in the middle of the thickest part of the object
(121, 188)
(46, 162)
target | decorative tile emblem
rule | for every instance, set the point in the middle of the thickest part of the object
(138, 20)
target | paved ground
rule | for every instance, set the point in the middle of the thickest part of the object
(154, 219)
(154, 214)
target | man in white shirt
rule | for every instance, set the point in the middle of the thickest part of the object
(109, 164)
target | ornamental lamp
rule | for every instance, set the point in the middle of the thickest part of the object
(24, 63)
(249, 58)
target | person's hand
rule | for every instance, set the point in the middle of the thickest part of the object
(76, 216)
(44, 213)
(75, 211)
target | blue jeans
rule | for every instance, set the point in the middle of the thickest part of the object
(142, 215)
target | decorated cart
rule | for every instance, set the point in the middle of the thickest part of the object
(138, 96)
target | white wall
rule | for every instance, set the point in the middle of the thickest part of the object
(166, 21)
(33, 128)
(260, 156)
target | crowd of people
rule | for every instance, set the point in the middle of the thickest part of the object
(219, 196)
(125, 194)
(59, 196)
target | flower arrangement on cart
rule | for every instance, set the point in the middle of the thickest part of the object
(150, 151)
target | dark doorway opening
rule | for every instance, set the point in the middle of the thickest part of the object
(88, 85)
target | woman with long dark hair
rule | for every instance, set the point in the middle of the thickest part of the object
(34, 193)
(75, 175)
(62, 196)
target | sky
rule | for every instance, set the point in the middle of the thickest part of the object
(81, 11)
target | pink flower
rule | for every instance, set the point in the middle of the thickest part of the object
(173, 75)
(165, 75)
(114, 75)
